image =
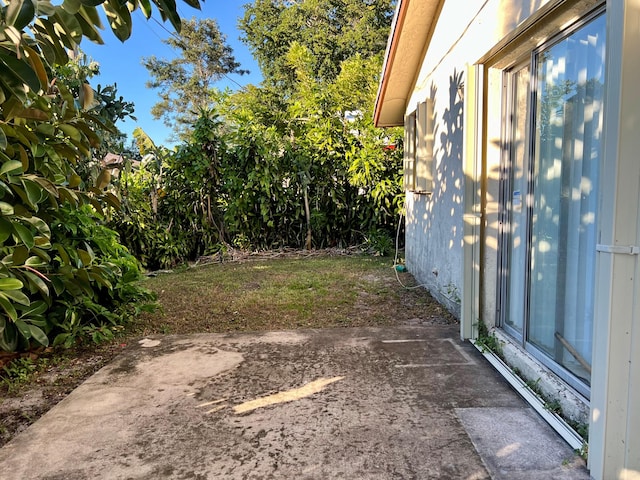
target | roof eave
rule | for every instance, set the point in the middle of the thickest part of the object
(411, 32)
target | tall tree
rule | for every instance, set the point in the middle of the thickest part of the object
(320, 60)
(332, 30)
(185, 83)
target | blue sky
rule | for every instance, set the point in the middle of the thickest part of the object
(120, 63)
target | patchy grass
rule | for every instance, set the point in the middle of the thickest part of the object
(286, 294)
(250, 295)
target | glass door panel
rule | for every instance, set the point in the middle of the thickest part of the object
(515, 201)
(567, 155)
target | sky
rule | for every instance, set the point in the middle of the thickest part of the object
(121, 63)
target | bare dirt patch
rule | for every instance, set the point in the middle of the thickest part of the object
(249, 293)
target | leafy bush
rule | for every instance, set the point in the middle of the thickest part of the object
(88, 286)
(379, 242)
(170, 204)
(239, 182)
(56, 282)
(100, 287)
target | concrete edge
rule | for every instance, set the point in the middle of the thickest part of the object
(556, 422)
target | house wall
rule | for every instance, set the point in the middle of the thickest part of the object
(483, 32)
(435, 242)
(465, 31)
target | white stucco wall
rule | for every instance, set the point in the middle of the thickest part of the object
(434, 222)
(434, 239)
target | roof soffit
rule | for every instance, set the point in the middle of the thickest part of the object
(411, 32)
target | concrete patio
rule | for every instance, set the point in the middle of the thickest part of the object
(358, 403)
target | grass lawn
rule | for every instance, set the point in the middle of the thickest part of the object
(254, 294)
(286, 293)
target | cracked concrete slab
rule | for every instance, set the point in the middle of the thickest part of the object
(361, 403)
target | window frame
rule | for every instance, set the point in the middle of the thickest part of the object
(419, 136)
(409, 160)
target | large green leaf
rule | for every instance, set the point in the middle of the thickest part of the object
(98, 275)
(20, 71)
(12, 106)
(38, 335)
(193, 3)
(8, 307)
(38, 67)
(45, 8)
(35, 309)
(24, 158)
(40, 225)
(145, 7)
(50, 41)
(22, 209)
(58, 285)
(49, 51)
(9, 338)
(88, 30)
(3, 139)
(90, 14)
(70, 131)
(34, 261)
(119, 18)
(168, 11)
(20, 13)
(23, 328)
(47, 129)
(85, 257)
(20, 255)
(71, 6)
(92, 3)
(12, 88)
(6, 229)
(37, 282)
(17, 296)
(13, 166)
(35, 193)
(90, 134)
(68, 195)
(38, 250)
(44, 183)
(64, 256)
(25, 235)
(10, 284)
(69, 23)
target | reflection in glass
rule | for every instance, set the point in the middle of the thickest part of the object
(567, 154)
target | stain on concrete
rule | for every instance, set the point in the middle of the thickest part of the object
(288, 396)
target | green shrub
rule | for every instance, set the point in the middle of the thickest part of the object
(88, 287)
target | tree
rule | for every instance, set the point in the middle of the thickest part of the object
(185, 83)
(103, 102)
(332, 30)
(295, 161)
(345, 154)
(320, 60)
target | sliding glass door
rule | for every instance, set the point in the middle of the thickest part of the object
(551, 199)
